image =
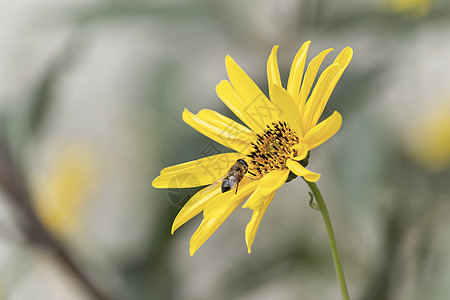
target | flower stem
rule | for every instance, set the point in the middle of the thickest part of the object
(334, 250)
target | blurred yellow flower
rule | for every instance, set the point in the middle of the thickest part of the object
(60, 194)
(414, 8)
(429, 141)
(280, 133)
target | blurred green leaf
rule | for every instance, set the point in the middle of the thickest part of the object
(129, 10)
(259, 270)
(39, 97)
(377, 18)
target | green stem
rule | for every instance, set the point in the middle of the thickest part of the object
(334, 250)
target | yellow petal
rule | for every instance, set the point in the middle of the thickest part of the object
(218, 206)
(203, 233)
(344, 57)
(210, 225)
(319, 100)
(318, 95)
(230, 137)
(301, 150)
(238, 106)
(296, 72)
(269, 183)
(323, 131)
(252, 226)
(288, 110)
(242, 83)
(196, 173)
(226, 123)
(257, 106)
(310, 76)
(299, 170)
(195, 205)
(273, 181)
(322, 101)
(273, 73)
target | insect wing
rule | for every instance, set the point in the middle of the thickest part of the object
(213, 186)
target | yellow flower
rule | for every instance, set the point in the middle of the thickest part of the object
(60, 195)
(413, 8)
(280, 133)
(428, 142)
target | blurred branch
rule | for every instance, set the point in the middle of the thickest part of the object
(34, 231)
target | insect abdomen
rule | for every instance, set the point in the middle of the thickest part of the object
(229, 183)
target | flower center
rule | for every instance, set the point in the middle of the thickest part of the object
(272, 149)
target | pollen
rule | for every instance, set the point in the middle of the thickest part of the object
(272, 148)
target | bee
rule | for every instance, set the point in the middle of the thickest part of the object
(231, 179)
(234, 175)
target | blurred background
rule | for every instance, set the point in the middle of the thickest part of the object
(91, 97)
